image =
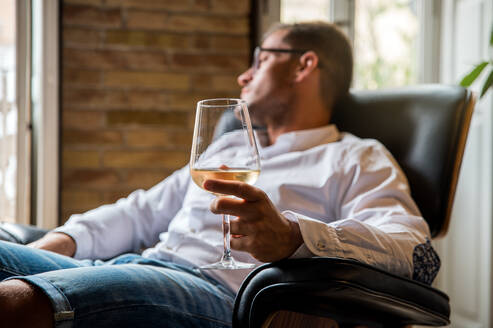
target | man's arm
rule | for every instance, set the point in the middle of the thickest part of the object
(125, 226)
(376, 222)
(56, 242)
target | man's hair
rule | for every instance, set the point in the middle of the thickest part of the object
(333, 50)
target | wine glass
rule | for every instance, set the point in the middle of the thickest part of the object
(211, 157)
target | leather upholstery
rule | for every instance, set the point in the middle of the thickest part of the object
(421, 126)
(424, 127)
(20, 234)
(352, 293)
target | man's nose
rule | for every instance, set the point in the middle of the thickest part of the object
(245, 77)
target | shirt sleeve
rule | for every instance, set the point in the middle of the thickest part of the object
(129, 224)
(377, 221)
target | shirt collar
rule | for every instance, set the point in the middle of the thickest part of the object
(298, 140)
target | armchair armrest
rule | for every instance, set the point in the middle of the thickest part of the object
(347, 291)
(20, 233)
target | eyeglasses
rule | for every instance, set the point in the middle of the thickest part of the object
(256, 53)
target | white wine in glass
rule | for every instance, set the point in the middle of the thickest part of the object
(206, 162)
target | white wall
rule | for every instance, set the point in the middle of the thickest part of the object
(466, 250)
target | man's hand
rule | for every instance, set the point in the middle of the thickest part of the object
(56, 242)
(259, 227)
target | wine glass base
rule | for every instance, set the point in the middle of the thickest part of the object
(227, 265)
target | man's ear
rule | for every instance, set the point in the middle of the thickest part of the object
(307, 64)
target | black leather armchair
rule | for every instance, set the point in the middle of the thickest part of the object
(425, 128)
(19, 233)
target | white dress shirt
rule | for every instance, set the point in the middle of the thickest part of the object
(348, 194)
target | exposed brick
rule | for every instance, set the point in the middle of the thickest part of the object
(133, 71)
(80, 159)
(217, 24)
(147, 20)
(102, 178)
(230, 7)
(170, 5)
(111, 59)
(75, 15)
(188, 101)
(83, 97)
(210, 62)
(85, 137)
(171, 81)
(81, 37)
(137, 99)
(145, 159)
(73, 76)
(202, 42)
(81, 200)
(225, 82)
(145, 178)
(202, 81)
(82, 120)
(206, 82)
(158, 40)
(187, 22)
(159, 138)
(66, 213)
(113, 196)
(84, 2)
(231, 44)
(176, 119)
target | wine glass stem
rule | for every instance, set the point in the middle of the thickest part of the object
(226, 239)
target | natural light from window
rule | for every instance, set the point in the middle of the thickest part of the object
(385, 38)
(8, 111)
(385, 43)
(304, 10)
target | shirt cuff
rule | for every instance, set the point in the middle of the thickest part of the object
(82, 237)
(320, 238)
(302, 251)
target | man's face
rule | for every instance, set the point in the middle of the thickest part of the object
(268, 89)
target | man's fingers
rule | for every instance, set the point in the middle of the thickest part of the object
(241, 228)
(240, 243)
(236, 188)
(235, 207)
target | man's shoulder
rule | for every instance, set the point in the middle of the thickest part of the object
(354, 148)
(351, 142)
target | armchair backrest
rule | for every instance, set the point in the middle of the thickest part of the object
(425, 128)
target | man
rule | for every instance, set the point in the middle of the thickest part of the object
(321, 192)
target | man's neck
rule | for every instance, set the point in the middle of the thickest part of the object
(305, 121)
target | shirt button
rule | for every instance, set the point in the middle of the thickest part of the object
(193, 230)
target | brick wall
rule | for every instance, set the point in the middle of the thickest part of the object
(132, 72)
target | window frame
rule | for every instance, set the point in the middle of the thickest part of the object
(38, 192)
(342, 13)
(23, 99)
(45, 118)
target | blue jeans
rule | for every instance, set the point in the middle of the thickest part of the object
(127, 291)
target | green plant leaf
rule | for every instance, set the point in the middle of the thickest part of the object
(469, 78)
(487, 84)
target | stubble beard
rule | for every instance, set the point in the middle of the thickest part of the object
(273, 112)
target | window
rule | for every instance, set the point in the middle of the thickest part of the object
(8, 111)
(29, 88)
(385, 43)
(395, 41)
(303, 10)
